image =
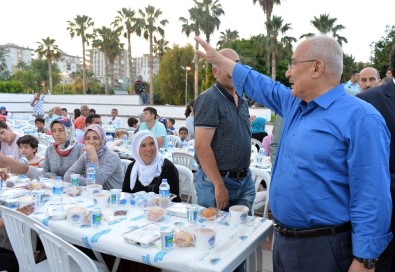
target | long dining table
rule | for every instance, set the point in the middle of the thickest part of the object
(233, 243)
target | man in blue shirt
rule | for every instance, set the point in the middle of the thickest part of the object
(352, 86)
(330, 189)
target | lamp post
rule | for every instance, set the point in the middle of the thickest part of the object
(186, 69)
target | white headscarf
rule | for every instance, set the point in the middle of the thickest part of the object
(145, 173)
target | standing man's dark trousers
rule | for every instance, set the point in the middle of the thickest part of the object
(330, 253)
(386, 261)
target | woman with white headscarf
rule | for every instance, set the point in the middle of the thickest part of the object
(149, 168)
(109, 171)
(64, 151)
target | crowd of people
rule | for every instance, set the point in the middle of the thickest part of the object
(333, 176)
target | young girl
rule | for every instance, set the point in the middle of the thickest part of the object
(28, 146)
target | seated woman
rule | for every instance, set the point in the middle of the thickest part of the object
(8, 141)
(149, 168)
(109, 171)
(258, 128)
(28, 146)
(65, 150)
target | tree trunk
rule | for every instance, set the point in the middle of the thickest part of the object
(131, 81)
(196, 82)
(50, 74)
(83, 69)
(274, 57)
(151, 71)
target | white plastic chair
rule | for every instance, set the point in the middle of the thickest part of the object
(64, 257)
(44, 141)
(174, 139)
(191, 142)
(187, 187)
(125, 163)
(257, 176)
(183, 159)
(19, 230)
(256, 143)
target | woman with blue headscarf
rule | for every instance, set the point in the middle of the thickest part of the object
(109, 171)
(64, 151)
(258, 128)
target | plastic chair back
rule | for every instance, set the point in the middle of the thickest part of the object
(174, 139)
(19, 230)
(187, 188)
(257, 176)
(62, 256)
(183, 159)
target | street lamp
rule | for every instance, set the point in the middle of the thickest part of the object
(186, 69)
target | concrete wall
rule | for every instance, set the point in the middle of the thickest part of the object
(127, 105)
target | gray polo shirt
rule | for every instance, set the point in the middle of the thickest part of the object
(216, 108)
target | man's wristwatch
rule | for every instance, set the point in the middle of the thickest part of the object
(367, 263)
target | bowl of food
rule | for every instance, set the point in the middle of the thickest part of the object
(73, 190)
(183, 238)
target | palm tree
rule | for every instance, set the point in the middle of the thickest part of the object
(51, 51)
(160, 47)
(267, 6)
(277, 27)
(209, 20)
(227, 37)
(326, 25)
(189, 26)
(79, 27)
(131, 25)
(150, 16)
(107, 41)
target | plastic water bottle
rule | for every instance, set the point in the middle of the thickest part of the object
(23, 160)
(57, 189)
(124, 140)
(164, 194)
(259, 157)
(90, 175)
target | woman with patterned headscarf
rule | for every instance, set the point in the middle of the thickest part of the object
(109, 171)
(149, 168)
(65, 150)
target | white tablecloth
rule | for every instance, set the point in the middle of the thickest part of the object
(233, 243)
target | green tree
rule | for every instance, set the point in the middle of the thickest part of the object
(327, 25)
(189, 26)
(22, 65)
(210, 12)
(267, 7)
(150, 27)
(80, 27)
(107, 41)
(381, 50)
(48, 49)
(28, 77)
(227, 37)
(276, 28)
(131, 24)
(171, 77)
(160, 47)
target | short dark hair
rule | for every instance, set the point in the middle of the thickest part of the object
(40, 120)
(64, 109)
(92, 111)
(28, 139)
(151, 110)
(172, 120)
(77, 113)
(90, 117)
(132, 121)
(183, 129)
(3, 125)
(188, 110)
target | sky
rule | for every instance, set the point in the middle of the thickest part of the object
(26, 22)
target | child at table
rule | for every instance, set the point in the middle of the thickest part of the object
(28, 146)
(183, 134)
(40, 125)
(119, 135)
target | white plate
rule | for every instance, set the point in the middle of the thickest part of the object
(14, 192)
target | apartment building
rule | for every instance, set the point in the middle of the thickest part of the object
(14, 54)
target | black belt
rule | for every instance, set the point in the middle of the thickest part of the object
(302, 233)
(233, 174)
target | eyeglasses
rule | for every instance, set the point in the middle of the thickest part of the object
(294, 62)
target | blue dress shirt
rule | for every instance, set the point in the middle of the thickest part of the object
(332, 163)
